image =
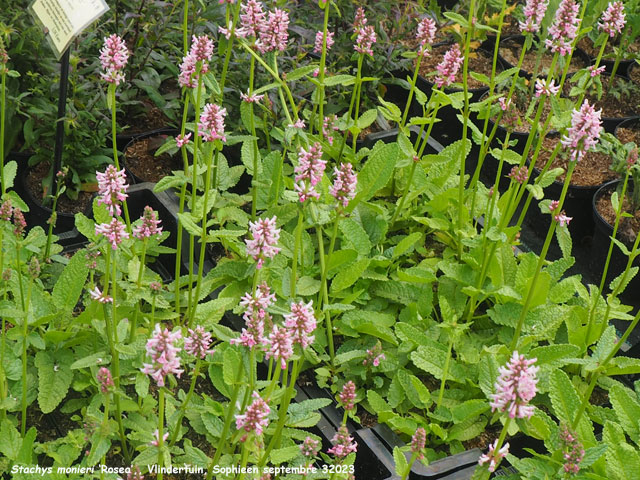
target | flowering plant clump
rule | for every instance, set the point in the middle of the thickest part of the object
(252, 312)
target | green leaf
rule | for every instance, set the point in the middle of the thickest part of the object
(623, 366)
(285, 454)
(367, 118)
(617, 283)
(622, 459)
(400, 461)
(212, 311)
(97, 359)
(349, 275)
(355, 236)
(170, 181)
(10, 440)
(627, 410)
(564, 398)
(339, 259)
(68, 288)
(10, 170)
(233, 367)
(376, 172)
(344, 80)
(406, 243)
(432, 360)
(300, 72)
(54, 378)
(189, 224)
(469, 410)
(99, 447)
(555, 356)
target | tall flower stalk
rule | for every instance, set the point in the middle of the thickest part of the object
(4, 70)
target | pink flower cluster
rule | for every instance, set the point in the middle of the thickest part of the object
(264, 237)
(426, 34)
(310, 447)
(251, 19)
(163, 353)
(99, 296)
(112, 188)
(301, 322)
(105, 380)
(534, 11)
(254, 316)
(519, 174)
(319, 41)
(182, 140)
(211, 126)
(254, 418)
(574, 451)
(374, 356)
(613, 19)
(201, 52)
(274, 32)
(113, 57)
(544, 88)
(344, 184)
(309, 171)
(348, 396)
(156, 438)
(280, 345)
(365, 34)
(448, 68)
(565, 27)
(418, 442)
(493, 457)
(343, 443)
(115, 231)
(329, 126)
(198, 343)
(149, 226)
(515, 387)
(584, 132)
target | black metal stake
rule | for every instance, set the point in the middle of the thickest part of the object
(62, 112)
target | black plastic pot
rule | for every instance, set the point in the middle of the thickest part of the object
(629, 123)
(577, 53)
(126, 163)
(600, 246)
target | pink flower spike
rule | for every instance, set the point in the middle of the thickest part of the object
(594, 72)
(553, 205)
(274, 33)
(516, 387)
(264, 237)
(202, 48)
(163, 353)
(211, 126)
(319, 41)
(343, 443)
(544, 88)
(519, 174)
(252, 19)
(374, 356)
(329, 126)
(573, 451)
(115, 231)
(99, 296)
(188, 77)
(254, 316)
(360, 19)
(534, 11)
(310, 165)
(280, 346)
(418, 442)
(113, 57)
(565, 27)
(448, 68)
(613, 19)
(562, 219)
(255, 417)
(150, 225)
(494, 458)
(182, 140)
(105, 380)
(584, 132)
(198, 343)
(226, 31)
(426, 31)
(298, 124)
(112, 188)
(344, 184)
(365, 40)
(301, 322)
(348, 396)
(310, 447)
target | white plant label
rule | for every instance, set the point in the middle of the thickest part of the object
(64, 20)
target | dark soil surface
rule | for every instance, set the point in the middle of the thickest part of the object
(480, 61)
(140, 159)
(592, 169)
(634, 74)
(510, 51)
(65, 204)
(151, 118)
(629, 134)
(522, 105)
(612, 107)
(629, 227)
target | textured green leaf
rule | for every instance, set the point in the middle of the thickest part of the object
(400, 461)
(623, 366)
(406, 243)
(367, 118)
(432, 360)
(54, 378)
(564, 397)
(376, 172)
(622, 459)
(285, 454)
(99, 447)
(10, 440)
(627, 410)
(339, 259)
(469, 410)
(554, 355)
(232, 368)
(349, 275)
(356, 237)
(68, 288)
(189, 224)
(213, 310)
(99, 358)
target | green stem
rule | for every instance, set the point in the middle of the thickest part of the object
(160, 432)
(322, 69)
(231, 409)
(407, 470)
(227, 55)
(357, 94)
(296, 250)
(183, 407)
(185, 28)
(252, 127)
(445, 372)
(134, 322)
(541, 260)
(114, 145)
(25, 332)
(414, 79)
(2, 121)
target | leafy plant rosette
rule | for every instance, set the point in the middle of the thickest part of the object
(385, 272)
